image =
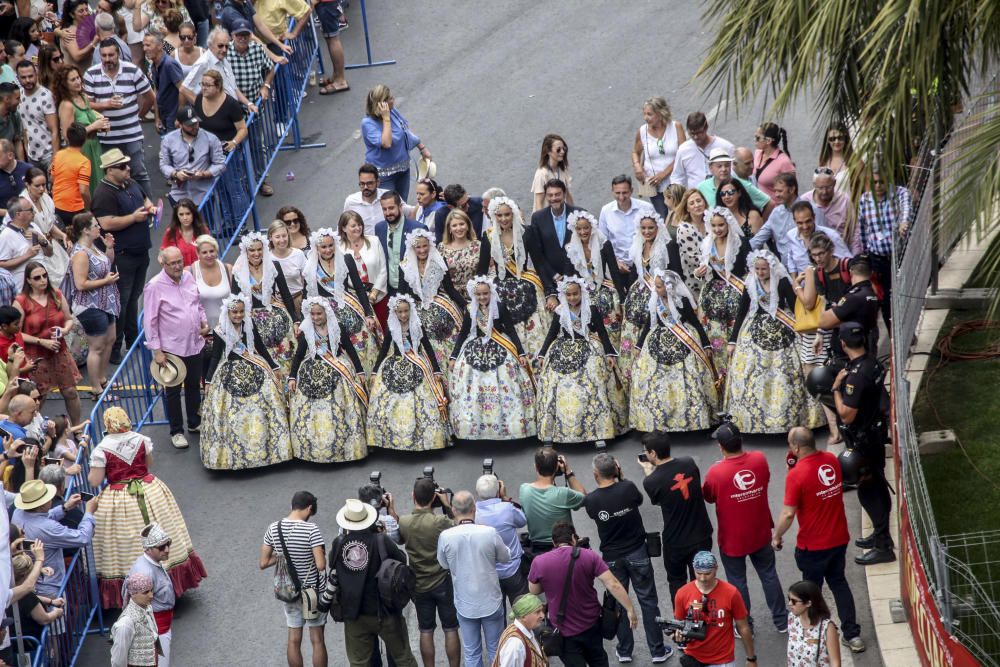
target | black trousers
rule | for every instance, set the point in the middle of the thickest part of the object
(677, 561)
(586, 649)
(192, 397)
(873, 494)
(882, 267)
(828, 565)
(131, 279)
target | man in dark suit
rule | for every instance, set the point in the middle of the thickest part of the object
(545, 239)
(455, 196)
(391, 233)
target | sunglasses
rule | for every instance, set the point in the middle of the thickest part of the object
(793, 601)
(727, 193)
(836, 137)
(292, 221)
(758, 137)
(42, 276)
(659, 146)
(57, 58)
(823, 171)
(120, 166)
(190, 154)
(187, 38)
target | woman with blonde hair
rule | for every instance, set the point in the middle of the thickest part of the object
(552, 163)
(691, 231)
(388, 141)
(655, 148)
(369, 260)
(460, 247)
(292, 260)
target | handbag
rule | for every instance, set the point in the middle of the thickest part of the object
(551, 639)
(611, 613)
(307, 596)
(807, 320)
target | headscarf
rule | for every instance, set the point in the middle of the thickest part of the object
(308, 329)
(138, 583)
(778, 271)
(517, 231)
(732, 239)
(227, 330)
(574, 249)
(396, 329)
(241, 269)
(658, 258)
(704, 561)
(565, 316)
(676, 292)
(524, 605)
(426, 286)
(311, 270)
(494, 309)
(116, 420)
(154, 536)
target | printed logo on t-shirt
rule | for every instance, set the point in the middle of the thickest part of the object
(681, 484)
(744, 480)
(827, 475)
(603, 515)
(356, 556)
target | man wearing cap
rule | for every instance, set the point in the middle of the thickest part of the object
(720, 167)
(737, 485)
(814, 493)
(691, 161)
(167, 76)
(175, 325)
(719, 605)
(156, 549)
(355, 561)
(39, 520)
(122, 208)
(253, 70)
(190, 160)
(863, 409)
(518, 641)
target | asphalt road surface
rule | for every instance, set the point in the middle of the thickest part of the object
(480, 83)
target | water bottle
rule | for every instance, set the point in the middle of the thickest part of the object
(312, 79)
(290, 176)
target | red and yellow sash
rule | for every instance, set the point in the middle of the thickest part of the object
(785, 318)
(508, 344)
(735, 283)
(432, 381)
(355, 305)
(348, 374)
(449, 308)
(259, 363)
(527, 274)
(689, 341)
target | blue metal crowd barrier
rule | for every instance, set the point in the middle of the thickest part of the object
(227, 207)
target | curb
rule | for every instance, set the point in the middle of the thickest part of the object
(895, 640)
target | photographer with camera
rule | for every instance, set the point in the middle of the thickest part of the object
(614, 506)
(383, 502)
(495, 509)
(420, 531)
(546, 504)
(719, 607)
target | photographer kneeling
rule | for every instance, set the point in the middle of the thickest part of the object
(719, 605)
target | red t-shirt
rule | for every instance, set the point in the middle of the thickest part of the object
(814, 487)
(738, 487)
(718, 609)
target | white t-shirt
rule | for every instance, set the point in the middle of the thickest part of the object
(292, 267)
(691, 162)
(33, 110)
(13, 244)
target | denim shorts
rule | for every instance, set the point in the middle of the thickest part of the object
(329, 18)
(95, 322)
(442, 598)
(293, 616)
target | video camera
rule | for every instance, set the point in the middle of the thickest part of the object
(488, 467)
(429, 474)
(690, 630)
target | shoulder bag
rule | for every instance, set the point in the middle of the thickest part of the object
(551, 639)
(285, 585)
(307, 596)
(807, 320)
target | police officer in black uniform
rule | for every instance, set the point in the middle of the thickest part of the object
(862, 407)
(859, 304)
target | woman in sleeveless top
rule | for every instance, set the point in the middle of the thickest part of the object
(459, 247)
(35, 183)
(552, 163)
(655, 148)
(213, 279)
(292, 260)
(189, 52)
(74, 107)
(134, 498)
(813, 639)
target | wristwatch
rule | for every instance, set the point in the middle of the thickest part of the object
(751, 658)
(570, 474)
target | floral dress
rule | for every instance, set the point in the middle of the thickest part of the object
(524, 298)
(54, 369)
(408, 407)
(492, 395)
(609, 296)
(327, 410)
(635, 315)
(579, 398)
(440, 317)
(244, 420)
(673, 381)
(462, 263)
(689, 245)
(352, 315)
(275, 323)
(720, 302)
(807, 648)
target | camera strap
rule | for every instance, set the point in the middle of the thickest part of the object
(565, 591)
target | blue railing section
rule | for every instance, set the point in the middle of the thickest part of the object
(227, 207)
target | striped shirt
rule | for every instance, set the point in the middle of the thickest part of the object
(301, 537)
(129, 84)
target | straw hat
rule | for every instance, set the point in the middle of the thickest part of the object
(171, 373)
(356, 515)
(113, 157)
(426, 169)
(35, 493)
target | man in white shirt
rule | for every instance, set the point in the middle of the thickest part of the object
(366, 202)
(214, 57)
(835, 207)
(618, 219)
(691, 162)
(780, 222)
(518, 641)
(798, 237)
(20, 240)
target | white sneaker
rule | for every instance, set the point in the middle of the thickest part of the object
(179, 441)
(623, 658)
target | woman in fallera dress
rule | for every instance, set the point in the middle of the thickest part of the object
(274, 315)
(502, 253)
(674, 381)
(244, 417)
(490, 384)
(765, 391)
(724, 253)
(333, 274)
(440, 306)
(592, 257)
(577, 395)
(327, 399)
(408, 409)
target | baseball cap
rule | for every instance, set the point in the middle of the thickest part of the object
(727, 433)
(852, 334)
(187, 116)
(704, 561)
(241, 26)
(719, 155)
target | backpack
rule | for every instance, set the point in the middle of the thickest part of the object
(845, 277)
(395, 579)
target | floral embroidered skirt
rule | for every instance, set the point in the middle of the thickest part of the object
(365, 342)
(275, 328)
(635, 315)
(326, 416)
(403, 412)
(526, 303)
(492, 397)
(719, 304)
(442, 330)
(672, 388)
(605, 298)
(244, 420)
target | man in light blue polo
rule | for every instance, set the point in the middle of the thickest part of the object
(494, 508)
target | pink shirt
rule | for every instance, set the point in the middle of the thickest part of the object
(838, 215)
(173, 314)
(778, 163)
